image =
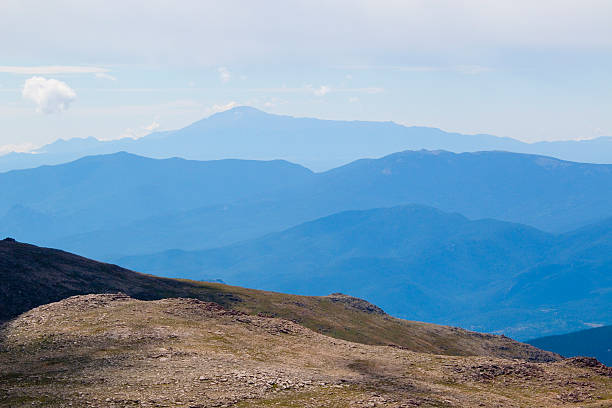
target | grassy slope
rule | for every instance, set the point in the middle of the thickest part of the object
(31, 276)
(335, 319)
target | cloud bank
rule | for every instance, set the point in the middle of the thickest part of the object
(52, 70)
(49, 95)
(104, 75)
(153, 126)
(297, 31)
(221, 108)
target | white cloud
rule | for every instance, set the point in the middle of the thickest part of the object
(322, 90)
(353, 99)
(220, 108)
(224, 74)
(137, 133)
(128, 133)
(23, 147)
(52, 70)
(104, 75)
(49, 95)
(152, 126)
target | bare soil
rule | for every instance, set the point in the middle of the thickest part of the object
(110, 350)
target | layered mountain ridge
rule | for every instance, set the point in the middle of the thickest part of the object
(242, 132)
(456, 269)
(121, 204)
(421, 263)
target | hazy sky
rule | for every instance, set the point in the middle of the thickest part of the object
(532, 70)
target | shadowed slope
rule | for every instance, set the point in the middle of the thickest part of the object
(32, 276)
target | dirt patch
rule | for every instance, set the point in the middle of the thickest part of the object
(488, 372)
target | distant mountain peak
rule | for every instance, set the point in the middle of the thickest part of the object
(246, 132)
(245, 108)
(243, 117)
(107, 157)
(239, 112)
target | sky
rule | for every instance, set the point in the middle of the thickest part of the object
(531, 70)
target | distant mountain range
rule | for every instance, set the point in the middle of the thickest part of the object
(121, 204)
(101, 192)
(248, 133)
(493, 241)
(420, 263)
(596, 342)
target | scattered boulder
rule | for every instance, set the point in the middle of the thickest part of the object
(485, 372)
(589, 362)
(356, 303)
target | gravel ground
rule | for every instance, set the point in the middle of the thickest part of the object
(114, 351)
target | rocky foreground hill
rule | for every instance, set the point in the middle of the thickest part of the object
(70, 339)
(110, 350)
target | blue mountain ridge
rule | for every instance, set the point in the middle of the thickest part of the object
(595, 342)
(492, 275)
(421, 263)
(121, 204)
